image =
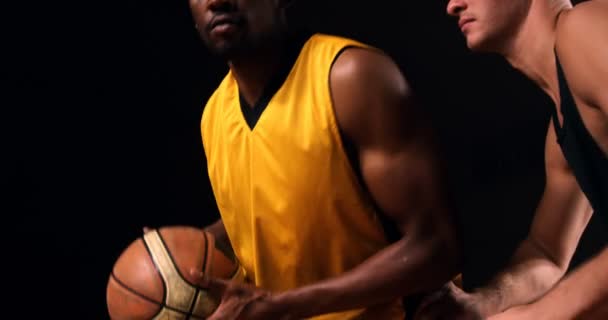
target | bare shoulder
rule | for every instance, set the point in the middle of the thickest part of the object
(588, 19)
(368, 89)
(582, 48)
(363, 66)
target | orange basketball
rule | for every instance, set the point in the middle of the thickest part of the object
(151, 278)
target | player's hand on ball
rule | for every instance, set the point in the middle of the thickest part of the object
(241, 301)
(451, 303)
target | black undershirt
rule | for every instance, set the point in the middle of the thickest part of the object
(587, 161)
(293, 47)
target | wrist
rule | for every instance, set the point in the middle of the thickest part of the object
(222, 242)
(297, 303)
(216, 230)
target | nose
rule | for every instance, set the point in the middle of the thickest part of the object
(455, 7)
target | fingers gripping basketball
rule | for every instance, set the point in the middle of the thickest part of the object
(152, 280)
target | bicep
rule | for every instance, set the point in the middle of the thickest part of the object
(403, 183)
(563, 211)
(376, 111)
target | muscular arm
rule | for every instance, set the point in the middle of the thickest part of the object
(375, 111)
(582, 45)
(581, 295)
(543, 257)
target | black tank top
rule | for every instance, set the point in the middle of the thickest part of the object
(587, 161)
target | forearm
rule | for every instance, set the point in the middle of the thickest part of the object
(221, 237)
(404, 268)
(530, 275)
(217, 230)
(581, 295)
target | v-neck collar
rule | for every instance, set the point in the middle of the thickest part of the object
(252, 114)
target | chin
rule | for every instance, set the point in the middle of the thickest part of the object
(228, 47)
(476, 44)
(222, 48)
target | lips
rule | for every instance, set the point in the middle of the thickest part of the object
(224, 20)
(463, 21)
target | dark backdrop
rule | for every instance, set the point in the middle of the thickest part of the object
(103, 134)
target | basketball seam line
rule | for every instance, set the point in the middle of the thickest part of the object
(161, 304)
(195, 287)
(191, 311)
(151, 255)
(166, 250)
(162, 241)
(206, 253)
(204, 264)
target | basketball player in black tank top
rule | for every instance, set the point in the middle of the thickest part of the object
(565, 51)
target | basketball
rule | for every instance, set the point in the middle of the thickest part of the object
(151, 278)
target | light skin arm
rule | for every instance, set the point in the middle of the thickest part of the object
(581, 295)
(541, 260)
(582, 45)
(543, 257)
(375, 110)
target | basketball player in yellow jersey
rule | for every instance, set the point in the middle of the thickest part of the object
(310, 140)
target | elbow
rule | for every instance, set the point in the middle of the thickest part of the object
(545, 268)
(557, 263)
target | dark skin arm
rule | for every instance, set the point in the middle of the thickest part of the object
(222, 241)
(217, 230)
(375, 110)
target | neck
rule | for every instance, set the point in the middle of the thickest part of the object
(254, 70)
(532, 49)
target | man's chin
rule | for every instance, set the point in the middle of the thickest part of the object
(223, 50)
(484, 43)
(226, 49)
(476, 45)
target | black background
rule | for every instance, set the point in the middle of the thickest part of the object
(103, 134)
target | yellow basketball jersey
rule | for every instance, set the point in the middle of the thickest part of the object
(288, 196)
